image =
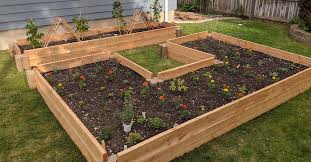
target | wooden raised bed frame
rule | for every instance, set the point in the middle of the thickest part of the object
(191, 134)
(34, 57)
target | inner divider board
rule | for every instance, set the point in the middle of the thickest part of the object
(185, 69)
(80, 135)
(191, 134)
(135, 67)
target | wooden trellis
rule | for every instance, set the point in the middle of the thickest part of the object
(59, 21)
(138, 14)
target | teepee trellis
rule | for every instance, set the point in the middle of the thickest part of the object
(135, 18)
(59, 21)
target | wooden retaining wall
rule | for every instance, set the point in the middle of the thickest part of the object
(77, 131)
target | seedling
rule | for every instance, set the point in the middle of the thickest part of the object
(162, 99)
(178, 86)
(156, 123)
(59, 87)
(249, 52)
(242, 91)
(202, 109)
(106, 134)
(141, 120)
(184, 114)
(146, 89)
(126, 82)
(82, 82)
(226, 91)
(274, 76)
(134, 138)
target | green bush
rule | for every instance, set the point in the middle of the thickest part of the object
(106, 134)
(188, 8)
(134, 138)
(305, 14)
(156, 123)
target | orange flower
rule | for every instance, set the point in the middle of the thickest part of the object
(146, 84)
(82, 77)
(162, 98)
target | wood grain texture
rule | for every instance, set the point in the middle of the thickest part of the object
(185, 69)
(137, 68)
(74, 62)
(80, 135)
(190, 135)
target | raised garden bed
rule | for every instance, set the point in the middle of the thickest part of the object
(199, 113)
(102, 40)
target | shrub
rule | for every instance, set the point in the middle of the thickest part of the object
(117, 12)
(305, 14)
(189, 8)
(81, 25)
(134, 138)
(156, 9)
(106, 134)
(156, 123)
(184, 114)
(33, 34)
(141, 120)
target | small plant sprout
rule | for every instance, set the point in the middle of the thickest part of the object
(106, 134)
(184, 114)
(59, 87)
(226, 62)
(33, 34)
(211, 85)
(196, 78)
(126, 82)
(178, 86)
(81, 25)
(75, 75)
(102, 88)
(156, 123)
(141, 120)
(82, 82)
(110, 75)
(202, 109)
(274, 76)
(162, 99)
(226, 91)
(259, 78)
(128, 110)
(242, 91)
(146, 89)
(128, 74)
(249, 52)
(237, 54)
(134, 138)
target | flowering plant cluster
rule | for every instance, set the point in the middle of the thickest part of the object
(146, 89)
(110, 74)
(82, 82)
(211, 82)
(226, 91)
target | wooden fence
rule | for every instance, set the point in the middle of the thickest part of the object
(277, 10)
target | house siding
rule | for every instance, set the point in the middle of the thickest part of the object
(14, 13)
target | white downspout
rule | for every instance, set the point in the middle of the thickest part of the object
(166, 11)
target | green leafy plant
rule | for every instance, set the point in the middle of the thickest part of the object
(106, 134)
(156, 9)
(141, 120)
(226, 91)
(59, 87)
(305, 14)
(146, 89)
(33, 34)
(117, 12)
(188, 7)
(202, 109)
(81, 25)
(157, 123)
(111, 74)
(250, 52)
(242, 91)
(128, 107)
(134, 138)
(211, 82)
(178, 86)
(184, 114)
(274, 76)
(82, 82)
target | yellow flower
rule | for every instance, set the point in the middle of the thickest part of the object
(226, 90)
(226, 62)
(273, 78)
(210, 76)
(59, 85)
(212, 81)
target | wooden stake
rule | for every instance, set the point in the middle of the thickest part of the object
(164, 51)
(31, 79)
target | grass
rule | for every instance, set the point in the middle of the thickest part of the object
(149, 57)
(29, 132)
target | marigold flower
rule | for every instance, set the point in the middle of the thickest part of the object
(226, 90)
(82, 77)
(162, 98)
(59, 85)
(273, 78)
(110, 72)
(212, 81)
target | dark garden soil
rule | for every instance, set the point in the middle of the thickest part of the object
(72, 40)
(99, 102)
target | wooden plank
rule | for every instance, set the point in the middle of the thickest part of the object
(137, 68)
(264, 49)
(17, 51)
(81, 136)
(191, 37)
(75, 62)
(182, 70)
(184, 54)
(86, 44)
(31, 79)
(19, 63)
(187, 136)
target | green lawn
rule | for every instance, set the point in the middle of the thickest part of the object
(29, 132)
(150, 58)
